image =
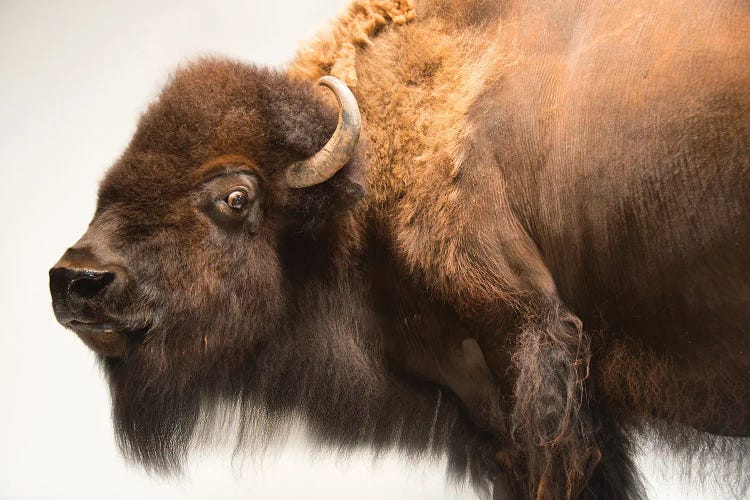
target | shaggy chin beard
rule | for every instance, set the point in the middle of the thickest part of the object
(154, 424)
(174, 391)
(162, 394)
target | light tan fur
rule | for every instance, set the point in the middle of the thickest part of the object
(334, 51)
(415, 91)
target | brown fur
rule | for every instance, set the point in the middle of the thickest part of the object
(563, 185)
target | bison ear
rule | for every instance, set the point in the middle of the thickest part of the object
(321, 204)
(348, 192)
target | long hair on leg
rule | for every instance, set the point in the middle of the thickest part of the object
(550, 421)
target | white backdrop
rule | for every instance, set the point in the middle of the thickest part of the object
(74, 77)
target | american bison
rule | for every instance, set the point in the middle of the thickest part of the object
(530, 247)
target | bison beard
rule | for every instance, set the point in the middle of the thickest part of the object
(523, 278)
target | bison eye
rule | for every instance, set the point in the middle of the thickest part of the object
(237, 199)
(232, 201)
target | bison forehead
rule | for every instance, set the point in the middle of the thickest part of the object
(213, 108)
(209, 104)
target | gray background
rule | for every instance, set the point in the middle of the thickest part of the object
(74, 77)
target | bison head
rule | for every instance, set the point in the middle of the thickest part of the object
(186, 269)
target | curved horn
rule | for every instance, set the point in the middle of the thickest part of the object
(338, 150)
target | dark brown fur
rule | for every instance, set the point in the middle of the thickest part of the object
(549, 258)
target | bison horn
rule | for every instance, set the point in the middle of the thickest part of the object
(339, 149)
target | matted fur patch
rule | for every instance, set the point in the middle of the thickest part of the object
(333, 52)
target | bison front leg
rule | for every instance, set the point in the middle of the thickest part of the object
(568, 448)
(550, 420)
(467, 374)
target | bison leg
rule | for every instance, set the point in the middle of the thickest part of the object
(569, 449)
(613, 472)
(550, 419)
(467, 374)
(506, 486)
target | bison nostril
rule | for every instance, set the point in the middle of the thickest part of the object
(89, 283)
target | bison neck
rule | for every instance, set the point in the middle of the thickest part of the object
(332, 363)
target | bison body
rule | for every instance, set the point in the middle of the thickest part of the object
(537, 248)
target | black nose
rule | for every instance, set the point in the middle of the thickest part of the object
(83, 286)
(78, 283)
